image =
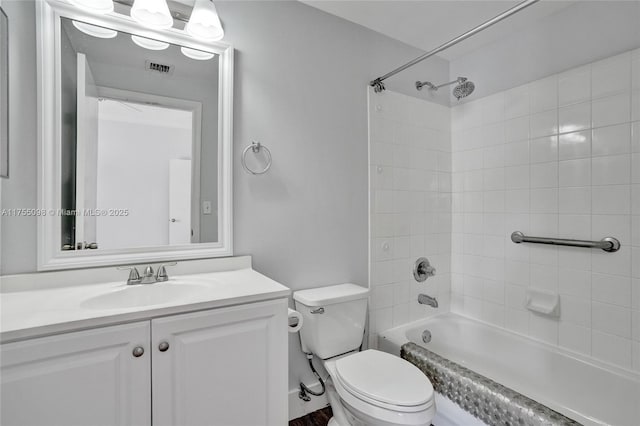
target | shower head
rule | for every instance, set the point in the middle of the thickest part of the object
(464, 89)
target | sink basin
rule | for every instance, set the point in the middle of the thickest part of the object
(144, 295)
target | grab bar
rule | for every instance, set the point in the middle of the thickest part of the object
(608, 244)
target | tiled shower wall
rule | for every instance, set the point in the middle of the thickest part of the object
(410, 196)
(557, 157)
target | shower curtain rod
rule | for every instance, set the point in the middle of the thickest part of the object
(378, 84)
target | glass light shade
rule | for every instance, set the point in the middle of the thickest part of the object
(95, 6)
(148, 43)
(204, 22)
(94, 30)
(198, 55)
(152, 13)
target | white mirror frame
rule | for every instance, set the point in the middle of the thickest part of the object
(50, 254)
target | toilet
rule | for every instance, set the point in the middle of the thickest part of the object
(368, 387)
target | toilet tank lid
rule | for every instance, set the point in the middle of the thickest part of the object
(330, 295)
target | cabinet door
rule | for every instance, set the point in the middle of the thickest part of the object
(223, 367)
(86, 378)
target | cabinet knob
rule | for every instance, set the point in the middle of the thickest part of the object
(163, 346)
(138, 351)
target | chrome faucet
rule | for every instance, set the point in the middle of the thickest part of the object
(149, 276)
(425, 299)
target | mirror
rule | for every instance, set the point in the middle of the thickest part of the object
(139, 164)
(142, 142)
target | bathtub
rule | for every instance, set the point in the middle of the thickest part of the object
(582, 389)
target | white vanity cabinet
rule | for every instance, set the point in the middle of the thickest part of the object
(82, 378)
(224, 366)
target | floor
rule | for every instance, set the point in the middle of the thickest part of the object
(317, 418)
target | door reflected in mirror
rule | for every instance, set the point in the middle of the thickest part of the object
(139, 141)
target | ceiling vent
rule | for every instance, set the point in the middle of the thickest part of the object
(159, 68)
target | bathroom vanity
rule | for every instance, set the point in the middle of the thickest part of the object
(112, 354)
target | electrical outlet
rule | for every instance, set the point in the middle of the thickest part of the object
(206, 207)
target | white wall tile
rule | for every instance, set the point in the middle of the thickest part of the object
(611, 110)
(544, 200)
(575, 310)
(611, 170)
(493, 156)
(611, 319)
(635, 167)
(493, 108)
(612, 349)
(575, 282)
(574, 118)
(546, 123)
(544, 175)
(611, 199)
(544, 149)
(612, 140)
(411, 195)
(612, 289)
(635, 199)
(517, 177)
(517, 321)
(516, 102)
(516, 153)
(550, 158)
(543, 94)
(575, 226)
(574, 86)
(574, 145)
(611, 75)
(575, 172)
(575, 337)
(543, 328)
(575, 200)
(516, 129)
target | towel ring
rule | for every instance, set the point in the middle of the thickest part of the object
(256, 147)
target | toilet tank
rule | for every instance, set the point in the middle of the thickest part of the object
(333, 318)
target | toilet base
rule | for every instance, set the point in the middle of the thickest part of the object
(333, 422)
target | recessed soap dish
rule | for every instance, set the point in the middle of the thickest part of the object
(543, 302)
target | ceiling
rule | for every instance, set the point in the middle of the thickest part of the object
(122, 52)
(426, 24)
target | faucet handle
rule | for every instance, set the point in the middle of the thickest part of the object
(134, 275)
(162, 275)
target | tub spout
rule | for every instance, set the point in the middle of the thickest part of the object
(424, 299)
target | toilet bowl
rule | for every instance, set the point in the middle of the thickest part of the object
(365, 388)
(378, 389)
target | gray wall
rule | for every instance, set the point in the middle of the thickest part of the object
(301, 79)
(579, 34)
(20, 190)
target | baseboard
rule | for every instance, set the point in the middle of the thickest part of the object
(299, 408)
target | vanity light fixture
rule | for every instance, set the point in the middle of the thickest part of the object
(204, 22)
(148, 43)
(96, 6)
(198, 55)
(94, 30)
(152, 13)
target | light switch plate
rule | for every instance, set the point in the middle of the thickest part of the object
(206, 207)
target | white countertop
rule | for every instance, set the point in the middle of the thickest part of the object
(39, 312)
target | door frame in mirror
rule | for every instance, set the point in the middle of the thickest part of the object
(49, 251)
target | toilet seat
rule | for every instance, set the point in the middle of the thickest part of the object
(384, 379)
(381, 380)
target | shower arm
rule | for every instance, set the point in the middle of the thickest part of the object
(420, 84)
(444, 84)
(378, 84)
